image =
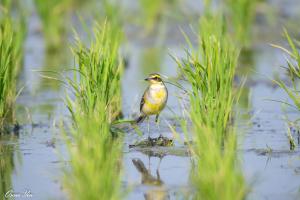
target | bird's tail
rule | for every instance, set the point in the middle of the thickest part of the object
(140, 119)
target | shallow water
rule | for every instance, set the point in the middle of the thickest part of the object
(38, 153)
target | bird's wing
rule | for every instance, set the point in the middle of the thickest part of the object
(143, 100)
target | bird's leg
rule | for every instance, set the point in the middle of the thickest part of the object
(149, 164)
(148, 128)
(157, 170)
(157, 124)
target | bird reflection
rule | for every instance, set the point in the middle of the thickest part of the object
(159, 192)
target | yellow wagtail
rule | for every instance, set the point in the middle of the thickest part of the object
(154, 99)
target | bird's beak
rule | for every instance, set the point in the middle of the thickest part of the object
(146, 79)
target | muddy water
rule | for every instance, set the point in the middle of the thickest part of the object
(35, 156)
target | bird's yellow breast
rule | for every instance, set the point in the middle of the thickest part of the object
(160, 94)
(155, 99)
(150, 108)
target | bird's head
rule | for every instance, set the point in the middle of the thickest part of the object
(154, 78)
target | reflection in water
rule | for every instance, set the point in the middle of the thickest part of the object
(159, 192)
(147, 177)
(7, 162)
(156, 194)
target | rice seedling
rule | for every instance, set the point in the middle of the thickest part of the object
(95, 154)
(53, 15)
(291, 139)
(112, 10)
(293, 72)
(241, 14)
(153, 11)
(6, 4)
(293, 69)
(12, 34)
(100, 69)
(95, 159)
(210, 71)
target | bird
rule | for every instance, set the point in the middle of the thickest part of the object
(153, 100)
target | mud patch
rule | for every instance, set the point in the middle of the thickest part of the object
(151, 142)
